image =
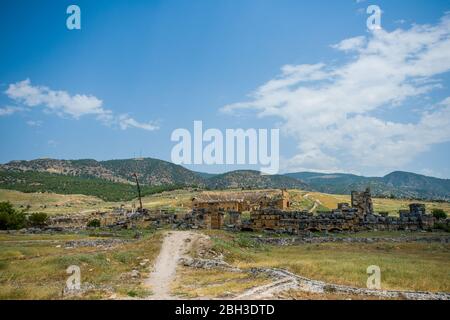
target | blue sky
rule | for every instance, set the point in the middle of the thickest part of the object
(142, 69)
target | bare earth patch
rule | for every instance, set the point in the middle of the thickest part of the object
(176, 245)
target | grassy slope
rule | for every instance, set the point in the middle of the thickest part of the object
(52, 203)
(180, 200)
(392, 206)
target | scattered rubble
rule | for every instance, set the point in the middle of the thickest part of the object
(85, 288)
(101, 243)
(287, 280)
(312, 240)
(207, 264)
(135, 273)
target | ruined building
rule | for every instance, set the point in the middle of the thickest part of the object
(264, 211)
(215, 210)
(359, 216)
(270, 212)
(362, 201)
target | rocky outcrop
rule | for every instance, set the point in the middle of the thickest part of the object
(296, 282)
(98, 243)
(207, 264)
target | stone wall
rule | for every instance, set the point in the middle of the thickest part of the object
(357, 217)
(118, 218)
(295, 222)
(268, 214)
(217, 213)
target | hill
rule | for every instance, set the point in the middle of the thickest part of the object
(153, 172)
(397, 184)
(35, 181)
(253, 180)
(150, 171)
(72, 176)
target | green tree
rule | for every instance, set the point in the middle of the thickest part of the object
(38, 219)
(11, 219)
(95, 223)
(439, 213)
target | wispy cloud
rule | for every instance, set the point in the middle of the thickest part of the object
(125, 122)
(34, 123)
(9, 110)
(52, 143)
(64, 104)
(330, 108)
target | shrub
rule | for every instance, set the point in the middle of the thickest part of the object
(442, 226)
(95, 223)
(38, 219)
(11, 219)
(439, 214)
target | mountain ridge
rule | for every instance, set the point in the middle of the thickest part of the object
(398, 184)
(156, 173)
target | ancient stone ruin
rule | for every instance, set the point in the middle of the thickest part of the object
(218, 210)
(270, 213)
(357, 217)
(263, 211)
(362, 201)
(118, 218)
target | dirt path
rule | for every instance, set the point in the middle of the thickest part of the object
(316, 203)
(176, 244)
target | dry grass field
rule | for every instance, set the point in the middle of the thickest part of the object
(54, 204)
(330, 201)
(404, 266)
(179, 200)
(213, 283)
(34, 266)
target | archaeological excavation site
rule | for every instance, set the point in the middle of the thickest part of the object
(258, 211)
(236, 244)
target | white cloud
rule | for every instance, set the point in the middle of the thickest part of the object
(350, 44)
(8, 110)
(330, 109)
(58, 101)
(126, 122)
(52, 143)
(34, 123)
(64, 104)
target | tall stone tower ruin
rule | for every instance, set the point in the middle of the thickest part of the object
(362, 201)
